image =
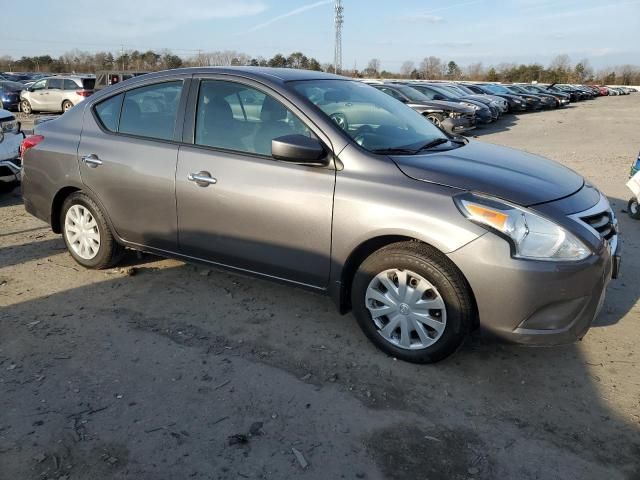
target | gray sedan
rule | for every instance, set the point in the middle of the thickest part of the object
(328, 184)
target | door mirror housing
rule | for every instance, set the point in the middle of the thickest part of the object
(438, 97)
(299, 149)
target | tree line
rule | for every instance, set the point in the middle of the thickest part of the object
(561, 69)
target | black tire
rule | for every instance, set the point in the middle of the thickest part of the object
(436, 268)
(435, 118)
(633, 209)
(25, 107)
(110, 251)
(66, 105)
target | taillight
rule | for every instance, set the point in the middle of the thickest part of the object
(30, 142)
(83, 93)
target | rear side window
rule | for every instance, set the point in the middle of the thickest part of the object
(151, 111)
(109, 112)
(70, 85)
(54, 83)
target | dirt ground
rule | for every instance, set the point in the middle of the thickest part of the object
(182, 372)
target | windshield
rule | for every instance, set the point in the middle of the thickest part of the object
(465, 89)
(497, 89)
(448, 91)
(374, 120)
(412, 94)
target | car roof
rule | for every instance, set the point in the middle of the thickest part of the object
(273, 74)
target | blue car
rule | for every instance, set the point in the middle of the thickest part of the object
(10, 94)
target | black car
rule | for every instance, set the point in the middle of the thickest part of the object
(450, 117)
(516, 102)
(10, 94)
(563, 99)
(435, 92)
(547, 101)
(575, 95)
(532, 102)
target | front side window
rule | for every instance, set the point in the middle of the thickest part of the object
(373, 119)
(151, 111)
(40, 85)
(236, 117)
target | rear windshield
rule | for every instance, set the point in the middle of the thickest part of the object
(88, 83)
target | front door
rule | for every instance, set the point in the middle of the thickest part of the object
(238, 206)
(128, 160)
(37, 95)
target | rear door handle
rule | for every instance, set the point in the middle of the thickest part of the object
(92, 160)
(202, 179)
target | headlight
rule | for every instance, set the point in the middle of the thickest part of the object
(531, 235)
(475, 107)
(455, 115)
(9, 127)
(517, 100)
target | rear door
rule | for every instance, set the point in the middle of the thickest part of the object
(255, 213)
(53, 95)
(128, 153)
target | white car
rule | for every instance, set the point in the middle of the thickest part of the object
(11, 137)
(56, 94)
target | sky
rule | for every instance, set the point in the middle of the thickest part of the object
(466, 31)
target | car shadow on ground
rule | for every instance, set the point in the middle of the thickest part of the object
(504, 123)
(493, 408)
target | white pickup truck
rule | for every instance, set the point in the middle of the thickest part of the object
(11, 137)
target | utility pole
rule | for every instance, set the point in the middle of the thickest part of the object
(339, 20)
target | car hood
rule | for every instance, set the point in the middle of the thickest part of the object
(443, 105)
(512, 175)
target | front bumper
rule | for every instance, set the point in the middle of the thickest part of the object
(458, 125)
(10, 164)
(534, 302)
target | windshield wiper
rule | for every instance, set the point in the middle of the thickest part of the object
(394, 151)
(433, 143)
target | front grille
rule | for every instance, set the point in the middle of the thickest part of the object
(603, 223)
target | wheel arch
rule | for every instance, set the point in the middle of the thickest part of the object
(360, 253)
(56, 206)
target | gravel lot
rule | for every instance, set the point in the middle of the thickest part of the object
(184, 372)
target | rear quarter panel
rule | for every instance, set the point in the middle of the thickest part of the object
(52, 164)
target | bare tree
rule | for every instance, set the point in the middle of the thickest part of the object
(432, 68)
(373, 68)
(475, 71)
(407, 68)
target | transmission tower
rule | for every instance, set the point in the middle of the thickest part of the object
(339, 20)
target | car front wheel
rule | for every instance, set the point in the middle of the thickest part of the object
(87, 234)
(25, 106)
(412, 302)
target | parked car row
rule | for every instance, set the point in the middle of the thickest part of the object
(462, 106)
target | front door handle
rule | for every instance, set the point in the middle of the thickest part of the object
(202, 179)
(92, 160)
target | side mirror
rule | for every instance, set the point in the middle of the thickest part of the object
(299, 149)
(438, 97)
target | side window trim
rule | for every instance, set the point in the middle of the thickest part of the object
(180, 113)
(189, 131)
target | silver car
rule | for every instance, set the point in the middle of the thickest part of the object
(56, 94)
(325, 183)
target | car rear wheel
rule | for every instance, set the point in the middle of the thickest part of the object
(66, 105)
(87, 234)
(25, 106)
(412, 302)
